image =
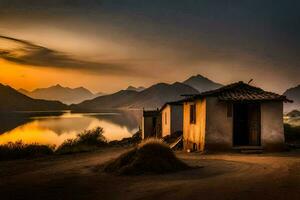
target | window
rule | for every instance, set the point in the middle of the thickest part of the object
(166, 120)
(193, 114)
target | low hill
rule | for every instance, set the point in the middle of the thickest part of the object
(12, 100)
(292, 94)
(59, 93)
(294, 113)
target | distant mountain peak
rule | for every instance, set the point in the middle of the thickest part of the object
(12, 100)
(176, 83)
(56, 86)
(160, 84)
(23, 91)
(150, 98)
(131, 88)
(81, 88)
(64, 94)
(201, 83)
(138, 89)
(200, 76)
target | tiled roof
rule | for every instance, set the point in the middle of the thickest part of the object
(241, 92)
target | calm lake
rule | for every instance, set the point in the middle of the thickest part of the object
(55, 127)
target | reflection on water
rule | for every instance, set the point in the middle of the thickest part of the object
(54, 128)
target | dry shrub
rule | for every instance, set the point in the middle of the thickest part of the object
(89, 140)
(150, 157)
(292, 134)
(17, 150)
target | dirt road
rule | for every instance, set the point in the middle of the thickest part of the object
(220, 176)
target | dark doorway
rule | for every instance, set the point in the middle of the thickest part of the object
(246, 124)
(154, 120)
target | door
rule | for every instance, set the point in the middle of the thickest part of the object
(246, 124)
(254, 124)
(240, 121)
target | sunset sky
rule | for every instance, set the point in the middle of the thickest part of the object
(106, 45)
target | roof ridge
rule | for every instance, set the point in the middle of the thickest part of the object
(240, 91)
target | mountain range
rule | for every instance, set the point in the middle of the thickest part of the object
(150, 98)
(12, 100)
(63, 94)
(131, 98)
(293, 94)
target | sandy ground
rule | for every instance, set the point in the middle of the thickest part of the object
(221, 176)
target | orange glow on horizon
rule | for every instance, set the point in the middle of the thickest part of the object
(32, 77)
(27, 77)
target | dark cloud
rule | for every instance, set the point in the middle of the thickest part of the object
(36, 55)
(72, 4)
